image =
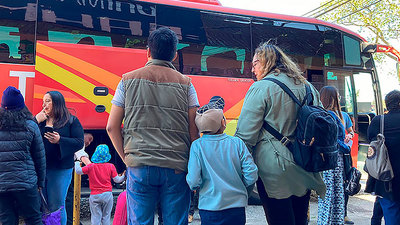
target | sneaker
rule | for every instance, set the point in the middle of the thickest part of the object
(347, 220)
(190, 218)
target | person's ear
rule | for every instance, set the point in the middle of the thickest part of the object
(148, 53)
(223, 122)
(176, 55)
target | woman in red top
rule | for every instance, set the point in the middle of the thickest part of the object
(100, 174)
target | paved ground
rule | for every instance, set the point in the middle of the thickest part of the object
(359, 210)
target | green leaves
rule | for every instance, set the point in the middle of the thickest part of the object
(380, 17)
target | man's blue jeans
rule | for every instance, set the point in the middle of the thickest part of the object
(57, 183)
(148, 185)
(391, 211)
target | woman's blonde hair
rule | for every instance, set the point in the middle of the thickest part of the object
(273, 60)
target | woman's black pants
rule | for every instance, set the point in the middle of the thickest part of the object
(25, 203)
(288, 211)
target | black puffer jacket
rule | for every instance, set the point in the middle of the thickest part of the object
(22, 159)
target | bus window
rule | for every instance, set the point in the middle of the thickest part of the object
(78, 38)
(365, 92)
(17, 27)
(366, 108)
(210, 44)
(104, 23)
(312, 46)
(230, 36)
(342, 81)
(352, 51)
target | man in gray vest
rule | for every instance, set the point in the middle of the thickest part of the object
(158, 105)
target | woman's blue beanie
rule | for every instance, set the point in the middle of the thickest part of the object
(12, 99)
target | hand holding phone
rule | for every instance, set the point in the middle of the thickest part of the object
(52, 136)
(48, 129)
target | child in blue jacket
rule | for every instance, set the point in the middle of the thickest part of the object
(221, 167)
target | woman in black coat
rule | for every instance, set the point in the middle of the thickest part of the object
(22, 161)
(62, 137)
(390, 200)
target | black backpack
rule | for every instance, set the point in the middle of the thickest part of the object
(315, 146)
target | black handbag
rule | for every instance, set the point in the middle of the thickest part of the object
(347, 165)
(352, 185)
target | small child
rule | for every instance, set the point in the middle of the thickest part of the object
(221, 167)
(100, 174)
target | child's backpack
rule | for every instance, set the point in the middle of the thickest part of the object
(315, 147)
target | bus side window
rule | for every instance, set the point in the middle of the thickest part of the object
(16, 41)
(311, 46)
(211, 44)
(123, 24)
(352, 51)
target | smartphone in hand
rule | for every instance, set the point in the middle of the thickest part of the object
(48, 129)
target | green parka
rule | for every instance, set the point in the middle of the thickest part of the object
(266, 101)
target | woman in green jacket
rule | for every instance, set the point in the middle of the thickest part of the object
(284, 187)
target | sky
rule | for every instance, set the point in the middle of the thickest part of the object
(298, 8)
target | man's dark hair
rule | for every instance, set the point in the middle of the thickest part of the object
(162, 44)
(392, 100)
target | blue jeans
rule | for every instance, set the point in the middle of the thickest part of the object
(57, 183)
(233, 216)
(377, 213)
(391, 211)
(148, 185)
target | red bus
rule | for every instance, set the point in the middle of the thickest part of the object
(82, 47)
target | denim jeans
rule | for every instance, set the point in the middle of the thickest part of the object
(233, 216)
(148, 185)
(391, 211)
(377, 213)
(57, 183)
(27, 202)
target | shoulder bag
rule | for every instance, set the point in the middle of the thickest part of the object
(377, 164)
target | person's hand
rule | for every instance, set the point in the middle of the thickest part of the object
(41, 116)
(348, 138)
(53, 137)
(79, 154)
(123, 174)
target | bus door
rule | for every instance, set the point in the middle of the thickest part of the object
(343, 81)
(368, 104)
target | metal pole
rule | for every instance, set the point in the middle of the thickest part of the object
(77, 199)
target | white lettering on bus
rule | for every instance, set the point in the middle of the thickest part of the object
(117, 6)
(22, 75)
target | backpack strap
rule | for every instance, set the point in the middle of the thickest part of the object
(382, 123)
(283, 139)
(286, 89)
(309, 98)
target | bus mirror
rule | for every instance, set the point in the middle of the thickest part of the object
(368, 47)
